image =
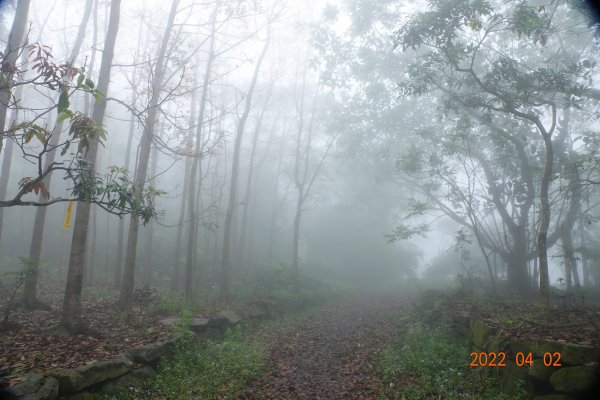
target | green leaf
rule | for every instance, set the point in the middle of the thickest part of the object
(63, 101)
(80, 79)
(65, 149)
(29, 135)
(64, 115)
(40, 136)
(89, 83)
(98, 95)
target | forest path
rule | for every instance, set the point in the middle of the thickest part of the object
(332, 355)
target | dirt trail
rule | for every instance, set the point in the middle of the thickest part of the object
(332, 355)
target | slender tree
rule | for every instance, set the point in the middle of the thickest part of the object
(8, 68)
(71, 312)
(127, 285)
(233, 182)
(35, 250)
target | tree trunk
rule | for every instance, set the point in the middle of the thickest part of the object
(90, 264)
(190, 259)
(246, 202)
(275, 208)
(132, 125)
(9, 62)
(545, 221)
(35, 251)
(300, 178)
(71, 312)
(7, 160)
(126, 295)
(148, 267)
(231, 205)
(517, 273)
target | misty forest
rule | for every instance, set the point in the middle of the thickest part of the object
(279, 199)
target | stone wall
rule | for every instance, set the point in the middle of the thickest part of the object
(89, 382)
(576, 378)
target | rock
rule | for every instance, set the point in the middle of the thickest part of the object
(480, 333)
(30, 385)
(134, 378)
(199, 324)
(48, 390)
(553, 397)
(151, 352)
(36, 387)
(86, 396)
(225, 317)
(77, 379)
(497, 344)
(574, 379)
(512, 376)
(540, 372)
(571, 354)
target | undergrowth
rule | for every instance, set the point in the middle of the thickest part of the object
(428, 362)
(203, 369)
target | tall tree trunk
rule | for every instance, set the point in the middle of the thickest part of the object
(7, 69)
(126, 295)
(90, 263)
(71, 312)
(247, 196)
(231, 205)
(117, 278)
(86, 98)
(275, 209)
(7, 160)
(545, 220)
(570, 157)
(35, 250)
(301, 175)
(190, 258)
(148, 267)
(9, 62)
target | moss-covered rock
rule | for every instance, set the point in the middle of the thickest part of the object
(540, 372)
(553, 397)
(151, 352)
(36, 387)
(570, 354)
(512, 377)
(134, 378)
(497, 344)
(77, 379)
(574, 379)
(86, 396)
(480, 334)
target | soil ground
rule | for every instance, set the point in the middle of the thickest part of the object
(333, 355)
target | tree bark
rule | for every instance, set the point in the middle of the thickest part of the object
(190, 259)
(71, 311)
(126, 295)
(231, 205)
(247, 196)
(545, 220)
(35, 250)
(9, 62)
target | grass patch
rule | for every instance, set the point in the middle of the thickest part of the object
(430, 363)
(203, 369)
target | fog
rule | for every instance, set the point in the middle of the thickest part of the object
(344, 141)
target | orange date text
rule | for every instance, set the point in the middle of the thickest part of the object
(498, 359)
